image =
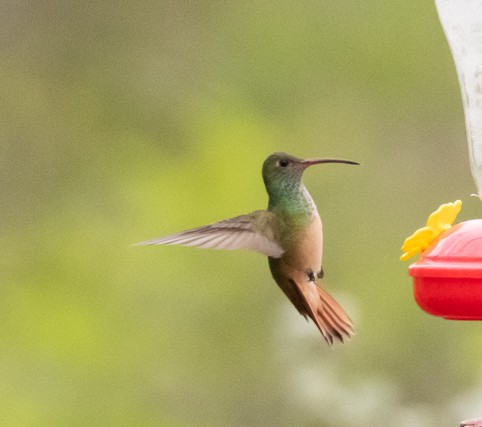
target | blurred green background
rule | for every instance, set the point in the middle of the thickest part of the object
(122, 121)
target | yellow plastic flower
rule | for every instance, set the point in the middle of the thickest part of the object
(439, 221)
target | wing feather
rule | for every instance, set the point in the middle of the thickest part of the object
(254, 231)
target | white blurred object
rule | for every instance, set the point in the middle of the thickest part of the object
(462, 23)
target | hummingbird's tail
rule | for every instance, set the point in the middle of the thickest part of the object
(329, 317)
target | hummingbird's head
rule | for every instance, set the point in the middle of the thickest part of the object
(281, 167)
(283, 172)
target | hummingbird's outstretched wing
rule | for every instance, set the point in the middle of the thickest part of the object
(253, 231)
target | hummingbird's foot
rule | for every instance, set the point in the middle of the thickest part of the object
(311, 276)
(321, 274)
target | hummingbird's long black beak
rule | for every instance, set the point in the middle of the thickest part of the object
(310, 162)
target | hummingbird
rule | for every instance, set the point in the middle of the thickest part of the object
(290, 234)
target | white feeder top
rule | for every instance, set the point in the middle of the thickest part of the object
(462, 23)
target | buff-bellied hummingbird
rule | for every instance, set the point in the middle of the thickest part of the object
(290, 233)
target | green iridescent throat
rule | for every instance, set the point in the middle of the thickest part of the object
(292, 198)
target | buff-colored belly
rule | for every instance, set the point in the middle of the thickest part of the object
(306, 253)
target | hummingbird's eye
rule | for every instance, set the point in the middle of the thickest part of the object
(284, 162)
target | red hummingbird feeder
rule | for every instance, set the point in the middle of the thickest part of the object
(447, 279)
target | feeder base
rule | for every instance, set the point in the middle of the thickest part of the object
(451, 298)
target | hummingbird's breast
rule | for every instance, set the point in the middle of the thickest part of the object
(300, 233)
(303, 245)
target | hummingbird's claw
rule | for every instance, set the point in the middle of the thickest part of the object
(311, 276)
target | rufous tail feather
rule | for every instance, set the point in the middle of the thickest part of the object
(329, 317)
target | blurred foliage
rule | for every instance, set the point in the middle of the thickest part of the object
(125, 120)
